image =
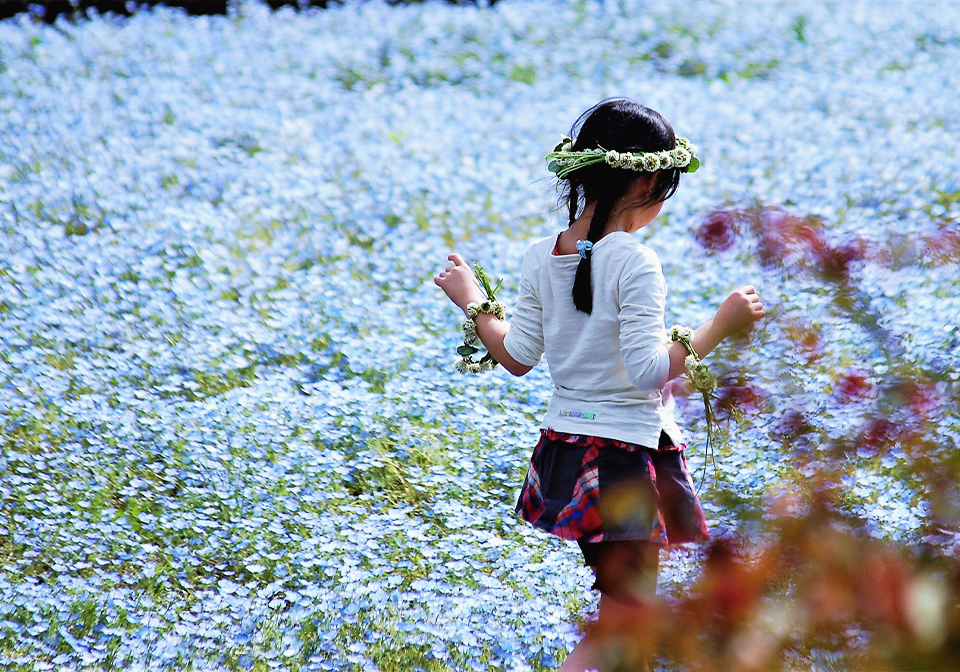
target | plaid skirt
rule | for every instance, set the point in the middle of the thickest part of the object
(593, 489)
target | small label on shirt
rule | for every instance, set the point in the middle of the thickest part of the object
(578, 414)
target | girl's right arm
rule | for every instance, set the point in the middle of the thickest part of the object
(459, 283)
(737, 312)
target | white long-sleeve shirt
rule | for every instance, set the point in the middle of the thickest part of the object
(609, 368)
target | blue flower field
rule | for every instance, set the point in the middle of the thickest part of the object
(232, 433)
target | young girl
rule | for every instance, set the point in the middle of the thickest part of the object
(609, 469)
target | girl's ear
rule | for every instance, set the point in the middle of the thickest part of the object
(642, 187)
(640, 191)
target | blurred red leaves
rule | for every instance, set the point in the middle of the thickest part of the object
(728, 589)
(853, 385)
(944, 247)
(815, 581)
(919, 396)
(719, 231)
(782, 239)
(878, 436)
(733, 400)
(906, 406)
(793, 425)
(833, 263)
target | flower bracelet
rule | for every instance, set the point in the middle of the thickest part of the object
(700, 375)
(471, 341)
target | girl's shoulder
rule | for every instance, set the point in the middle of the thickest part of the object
(538, 251)
(630, 254)
(541, 246)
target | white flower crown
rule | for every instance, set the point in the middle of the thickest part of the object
(563, 160)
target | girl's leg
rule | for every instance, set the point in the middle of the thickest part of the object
(586, 655)
(619, 639)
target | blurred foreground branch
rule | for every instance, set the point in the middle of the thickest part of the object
(816, 589)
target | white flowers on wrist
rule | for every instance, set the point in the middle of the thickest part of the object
(680, 333)
(471, 340)
(699, 374)
(470, 333)
(492, 307)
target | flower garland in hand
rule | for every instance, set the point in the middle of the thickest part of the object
(702, 379)
(471, 341)
(700, 375)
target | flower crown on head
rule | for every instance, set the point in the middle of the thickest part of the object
(563, 160)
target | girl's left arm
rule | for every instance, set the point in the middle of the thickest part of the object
(460, 285)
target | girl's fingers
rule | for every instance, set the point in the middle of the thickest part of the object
(457, 259)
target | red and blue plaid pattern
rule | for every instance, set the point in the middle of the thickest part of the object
(675, 517)
(581, 517)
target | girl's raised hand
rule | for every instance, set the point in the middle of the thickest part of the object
(738, 311)
(459, 283)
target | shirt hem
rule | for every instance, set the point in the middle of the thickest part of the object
(648, 437)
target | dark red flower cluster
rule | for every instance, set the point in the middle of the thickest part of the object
(944, 248)
(793, 425)
(920, 397)
(879, 435)
(853, 385)
(783, 239)
(719, 231)
(733, 400)
(833, 263)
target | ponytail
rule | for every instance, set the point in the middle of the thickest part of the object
(582, 285)
(573, 199)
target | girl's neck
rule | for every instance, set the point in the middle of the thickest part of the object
(580, 229)
(629, 220)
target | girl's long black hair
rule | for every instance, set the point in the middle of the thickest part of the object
(623, 125)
